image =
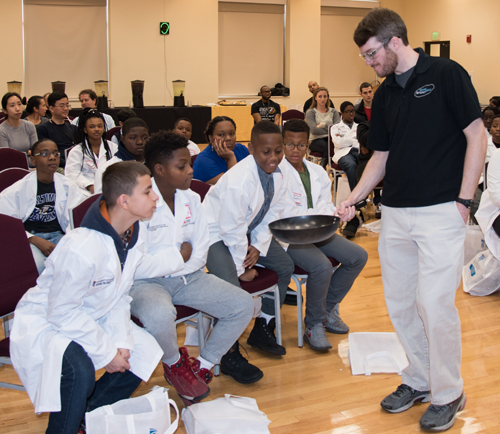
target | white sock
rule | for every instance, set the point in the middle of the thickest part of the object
(266, 316)
(205, 363)
(171, 364)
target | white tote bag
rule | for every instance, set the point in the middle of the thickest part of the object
(376, 352)
(474, 242)
(147, 414)
(481, 276)
(229, 415)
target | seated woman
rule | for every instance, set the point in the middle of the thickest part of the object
(319, 118)
(36, 109)
(184, 127)
(221, 154)
(84, 159)
(488, 214)
(309, 193)
(16, 133)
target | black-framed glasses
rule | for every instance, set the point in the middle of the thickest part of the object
(292, 146)
(349, 111)
(369, 56)
(63, 106)
(48, 154)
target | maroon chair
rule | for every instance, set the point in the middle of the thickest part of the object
(291, 114)
(10, 176)
(265, 282)
(12, 158)
(200, 187)
(299, 277)
(78, 212)
(19, 273)
(112, 132)
(193, 157)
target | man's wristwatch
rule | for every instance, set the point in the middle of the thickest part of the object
(465, 202)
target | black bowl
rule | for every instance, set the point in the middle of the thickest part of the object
(306, 229)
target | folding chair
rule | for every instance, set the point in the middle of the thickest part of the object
(291, 114)
(10, 176)
(13, 158)
(200, 187)
(19, 273)
(112, 132)
(78, 212)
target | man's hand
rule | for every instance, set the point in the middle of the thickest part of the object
(346, 211)
(251, 258)
(91, 189)
(249, 275)
(118, 364)
(46, 247)
(219, 146)
(464, 211)
(124, 353)
(186, 250)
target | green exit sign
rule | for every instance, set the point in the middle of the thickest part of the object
(435, 36)
(164, 28)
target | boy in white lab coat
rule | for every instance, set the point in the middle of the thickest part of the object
(309, 193)
(76, 320)
(42, 200)
(177, 234)
(239, 209)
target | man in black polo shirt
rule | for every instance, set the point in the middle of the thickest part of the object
(429, 141)
(58, 130)
(265, 109)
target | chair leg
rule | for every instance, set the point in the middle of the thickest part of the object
(300, 331)
(277, 312)
(201, 332)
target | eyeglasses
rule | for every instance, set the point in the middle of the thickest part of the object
(369, 56)
(62, 106)
(291, 146)
(349, 111)
(48, 154)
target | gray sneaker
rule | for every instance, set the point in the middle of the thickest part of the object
(442, 417)
(403, 398)
(334, 323)
(316, 338)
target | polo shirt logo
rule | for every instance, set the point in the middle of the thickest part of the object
(424, 90)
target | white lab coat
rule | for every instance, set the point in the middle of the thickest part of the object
(110, 122)
(81, 296)
(344, 141)
(165, 233)
(100, 170)
(232, 204)
(19, 199)
(84, 174)
(193, 148)
(489, 207)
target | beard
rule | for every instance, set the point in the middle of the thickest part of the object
(390, 64)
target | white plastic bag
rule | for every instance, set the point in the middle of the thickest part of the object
(376, 352)
(147, 414)
(481, 276)
(343, 190)
(474, 242)
(229, 415)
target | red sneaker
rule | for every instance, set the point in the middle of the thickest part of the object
(188, 384)
(205, 374)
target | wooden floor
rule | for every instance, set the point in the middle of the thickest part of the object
(308, 392)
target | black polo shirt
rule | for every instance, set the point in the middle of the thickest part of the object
(421, 125)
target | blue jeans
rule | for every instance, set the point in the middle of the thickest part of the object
(349, 164)
(38, 256)
(80, 392)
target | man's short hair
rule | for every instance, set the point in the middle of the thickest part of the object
(54, 97)
(344, 105)
(296, 126)
(160, 147)
(132, 123)
(35, 145)
(125, 114)
(495, 100)
(264, 127)
(364, 85)
(384, 24)
(89, 92)
(121, 178)
(262, 87)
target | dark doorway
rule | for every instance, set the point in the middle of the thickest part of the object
(444, 48)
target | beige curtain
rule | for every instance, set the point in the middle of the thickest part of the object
(64, 40)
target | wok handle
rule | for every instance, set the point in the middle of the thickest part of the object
(360, 204)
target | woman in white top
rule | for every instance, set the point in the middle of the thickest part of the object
(319, 118)
(84, 159)
(15, 133)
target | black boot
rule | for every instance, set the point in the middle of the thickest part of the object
(262, 337)
(235, 365)
(351, 227)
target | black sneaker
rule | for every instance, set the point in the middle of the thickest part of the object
(351, 227)
(403, 398)
(235, 365)
(442, 417)
(291, 299)
(262, 337)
